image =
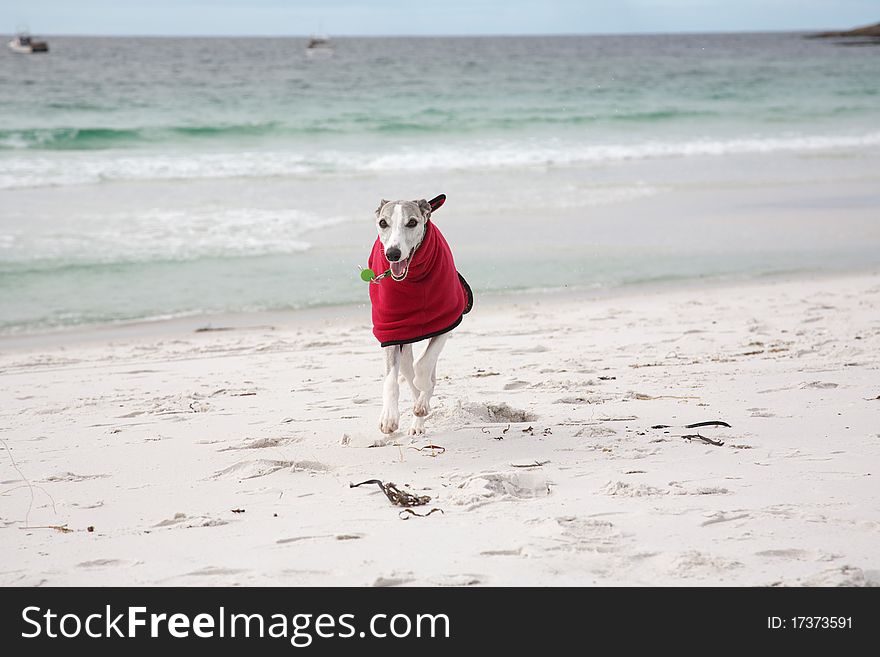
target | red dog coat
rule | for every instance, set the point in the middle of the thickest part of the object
(430, 301)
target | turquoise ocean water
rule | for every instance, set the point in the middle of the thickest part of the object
(149, 178)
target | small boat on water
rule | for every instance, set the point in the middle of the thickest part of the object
(319, 46)
(25, 44)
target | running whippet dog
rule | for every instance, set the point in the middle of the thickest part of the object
(419, 296)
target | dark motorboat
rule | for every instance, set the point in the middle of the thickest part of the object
(25, 44)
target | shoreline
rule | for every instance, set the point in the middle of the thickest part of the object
(338, 314)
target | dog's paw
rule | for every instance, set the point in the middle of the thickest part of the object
(422, 407)
(389, 422)
(417, 428)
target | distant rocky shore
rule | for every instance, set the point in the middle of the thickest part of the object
(866, 31)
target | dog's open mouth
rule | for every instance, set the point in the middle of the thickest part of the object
(400, 268)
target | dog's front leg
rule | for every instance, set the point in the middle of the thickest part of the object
(426, 378)
(390, 418)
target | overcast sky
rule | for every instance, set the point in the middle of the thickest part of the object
(420, 17)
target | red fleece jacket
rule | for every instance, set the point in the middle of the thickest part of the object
(431, 300)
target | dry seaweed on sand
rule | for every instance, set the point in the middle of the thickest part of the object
(708, 441)
(431, 447)
(406, 513)
(397, 496)
(695, 425)
(710, 423)
(64, 529)
(643, 397)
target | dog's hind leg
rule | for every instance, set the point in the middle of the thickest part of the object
(407, 372)
(426, 377)
(390, 418)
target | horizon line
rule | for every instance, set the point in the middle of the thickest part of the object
(438, 36)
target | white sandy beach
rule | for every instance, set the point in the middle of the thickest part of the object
(156, 435)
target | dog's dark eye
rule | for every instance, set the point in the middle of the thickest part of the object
(412, 223)
(383, 224)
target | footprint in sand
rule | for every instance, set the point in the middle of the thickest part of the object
(102, 563)
(471, 412)
(699, 564)
(458, 580)
(513, 552)
(252, 469)
(504, 413)
(848, 576)
(477, 490)
(339, 537)
(623, 489)
(262, 443)
(209, 571)
(587, 535)
(264, 467)
(790, 553)
(595, 399)
(73, 477)
(679, 489)
(188, 522)
(723, 516)
(394, 579)
(597, 431)
(537, 349)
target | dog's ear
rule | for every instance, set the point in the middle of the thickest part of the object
(381, 205)
(425, 207)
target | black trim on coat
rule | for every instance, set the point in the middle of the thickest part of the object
(467, 309)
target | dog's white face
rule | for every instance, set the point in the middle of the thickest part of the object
(401, 226)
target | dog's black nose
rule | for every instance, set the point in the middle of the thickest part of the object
(392, 254)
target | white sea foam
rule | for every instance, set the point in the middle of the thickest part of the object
(153, 234)
(58, 169)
